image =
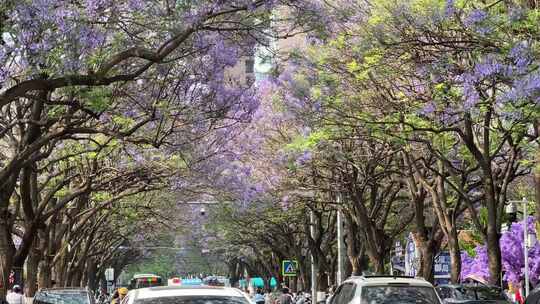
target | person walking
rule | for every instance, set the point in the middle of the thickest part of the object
(285, 297)
(301, 298)
(122, 292)
(258, 298)
(16, 296)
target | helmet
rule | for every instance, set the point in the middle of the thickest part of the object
(122, 291)
(17, 288)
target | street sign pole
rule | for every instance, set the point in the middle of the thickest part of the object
(109, 277)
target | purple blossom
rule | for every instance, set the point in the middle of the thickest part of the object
(448, 117)
(512, 253)
(304, 158)
(466, 263)
(475, 17)
(286, 77)
(94, 6)
(477, 266)
(135, 5)
(61, 15)
(516, 13)
(511, 244)
(428, 109)
(483, 30)
(317, 106)
(449, 8)
(91, 38)
(488, 67)
(468, 83)
(521, 56)
(527, 87)
(471, 96)
(3, 76)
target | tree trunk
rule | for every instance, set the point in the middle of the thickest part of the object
(355, 250)
(31, 272)
(378, 264)
(494, 256)
(427, 252)
(455, 256)
(233, 274)
(91, 271)
(7, 250)
(84, 279)
(75, 277)
(493, 246)
(322, 281)
(44, 273)
(44, 266)
(376, 252)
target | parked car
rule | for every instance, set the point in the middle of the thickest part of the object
(385, 290)
(187, 295)
(534, 296)
(64, 296)
(472, 294)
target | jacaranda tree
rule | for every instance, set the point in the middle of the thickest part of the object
(148, 74)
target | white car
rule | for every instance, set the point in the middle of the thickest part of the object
(187, 295)
(385, 290)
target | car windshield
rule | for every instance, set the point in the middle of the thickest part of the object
(50, 297)
(194, 300)
(480, 293)
(398, 295)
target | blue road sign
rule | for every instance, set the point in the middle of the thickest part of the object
(289, 268)
(441, 268)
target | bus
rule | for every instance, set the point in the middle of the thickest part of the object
(145, 280)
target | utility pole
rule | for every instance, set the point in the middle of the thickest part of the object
(314, 269)
(525, 245)
(340, 244)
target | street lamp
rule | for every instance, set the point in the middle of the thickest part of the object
(528, 238)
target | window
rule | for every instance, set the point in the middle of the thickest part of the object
(193, 300)
(348, 293)
(344, 294)
(337, 294)
(444, 292)
(51, 297)
(480, 293)
(398, 295)
(250, 66)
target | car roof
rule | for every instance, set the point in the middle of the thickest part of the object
(471, 286)
(145, 275)
(178, 291)
(386, 280)
(64, 289)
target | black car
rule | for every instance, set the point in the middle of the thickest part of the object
(472, 294)
(64, 296)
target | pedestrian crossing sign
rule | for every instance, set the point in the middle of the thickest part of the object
(289, 268)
